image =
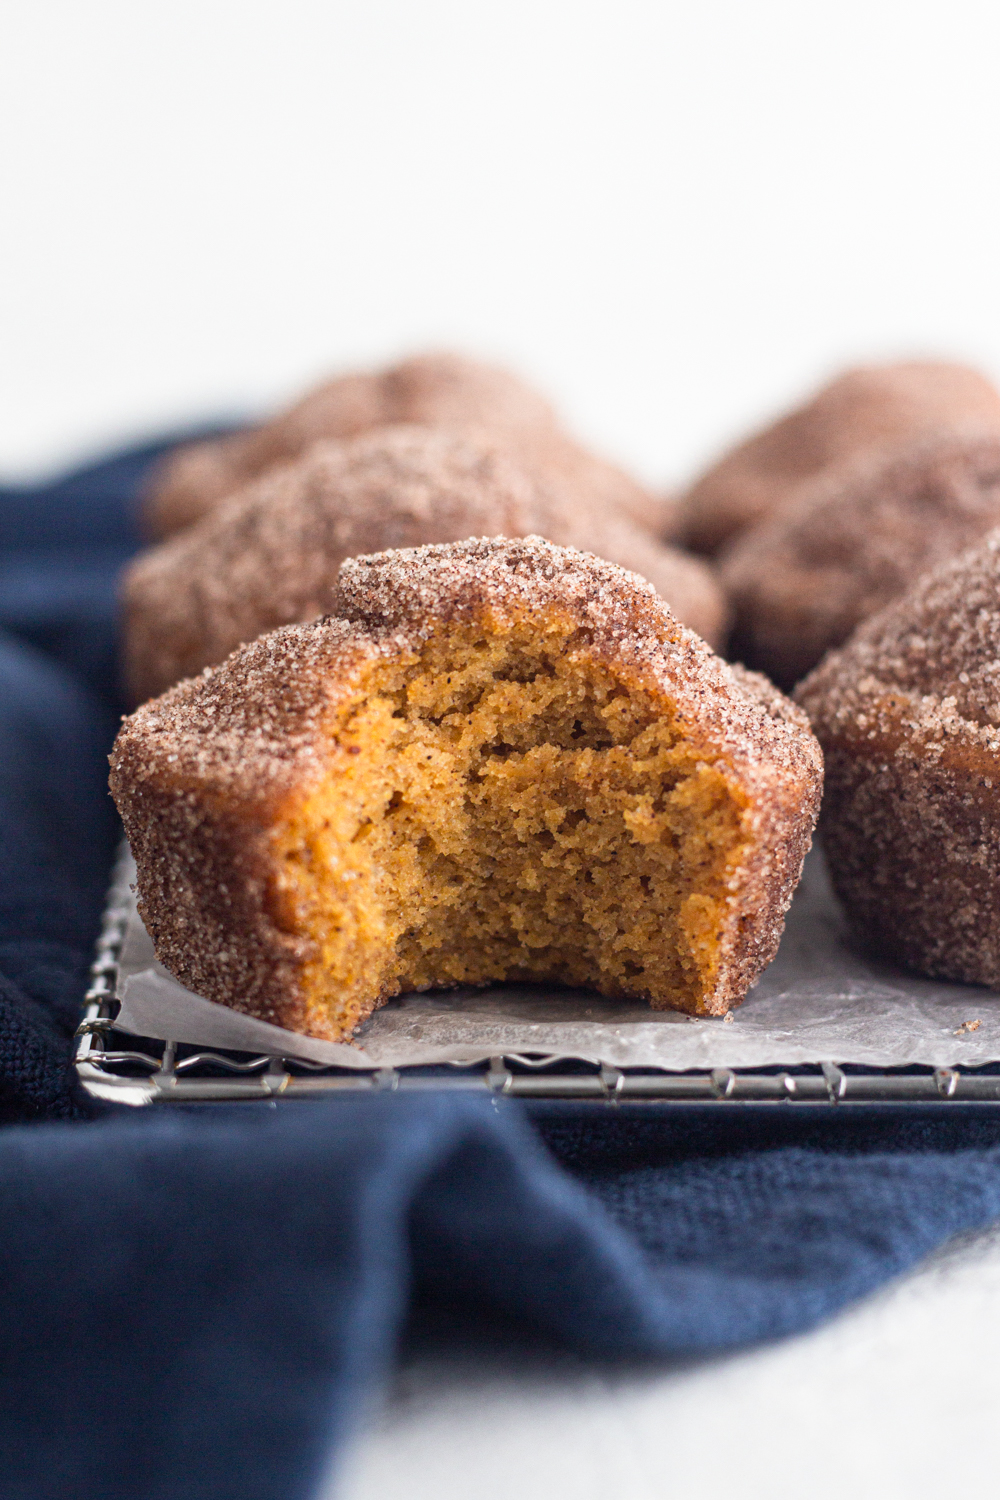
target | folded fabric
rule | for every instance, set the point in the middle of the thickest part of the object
(191, 1300)
(191, 1303)
(62, 546)
(57, 835)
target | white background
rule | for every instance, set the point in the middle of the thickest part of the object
(674, 214)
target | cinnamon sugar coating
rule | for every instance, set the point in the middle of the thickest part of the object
(269, 555)
(434, 390)
(852, 541)
(865, 408)
(500, 760)
(908, 713)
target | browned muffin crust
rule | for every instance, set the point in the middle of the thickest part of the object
(863, 409)
(269, 555)
(614, 778)
(850, 542)
(908, 713)
(687, 583)
(433, 390)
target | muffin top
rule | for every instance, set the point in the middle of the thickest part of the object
(431, 390)
(851, 541)
(257, 720)
(928, 664)
(864, 408)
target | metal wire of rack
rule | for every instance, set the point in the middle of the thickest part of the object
(146, 1072)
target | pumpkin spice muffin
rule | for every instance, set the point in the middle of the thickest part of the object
(852, 541)
(432, 390)
(269, 555)
(870, 407)
(501, 760)
(908, 714)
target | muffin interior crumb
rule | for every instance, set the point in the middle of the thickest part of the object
(500, 807)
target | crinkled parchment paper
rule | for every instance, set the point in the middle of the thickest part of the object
(821, 1000)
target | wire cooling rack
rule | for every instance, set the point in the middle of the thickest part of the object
(117, 1067)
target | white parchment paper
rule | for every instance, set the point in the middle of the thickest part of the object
(822, 999)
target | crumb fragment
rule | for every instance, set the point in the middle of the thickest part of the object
(968, 1026)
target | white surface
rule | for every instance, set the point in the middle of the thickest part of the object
(897, 1399)
(674, 215)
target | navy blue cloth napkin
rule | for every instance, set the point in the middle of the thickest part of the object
(192, 1300)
